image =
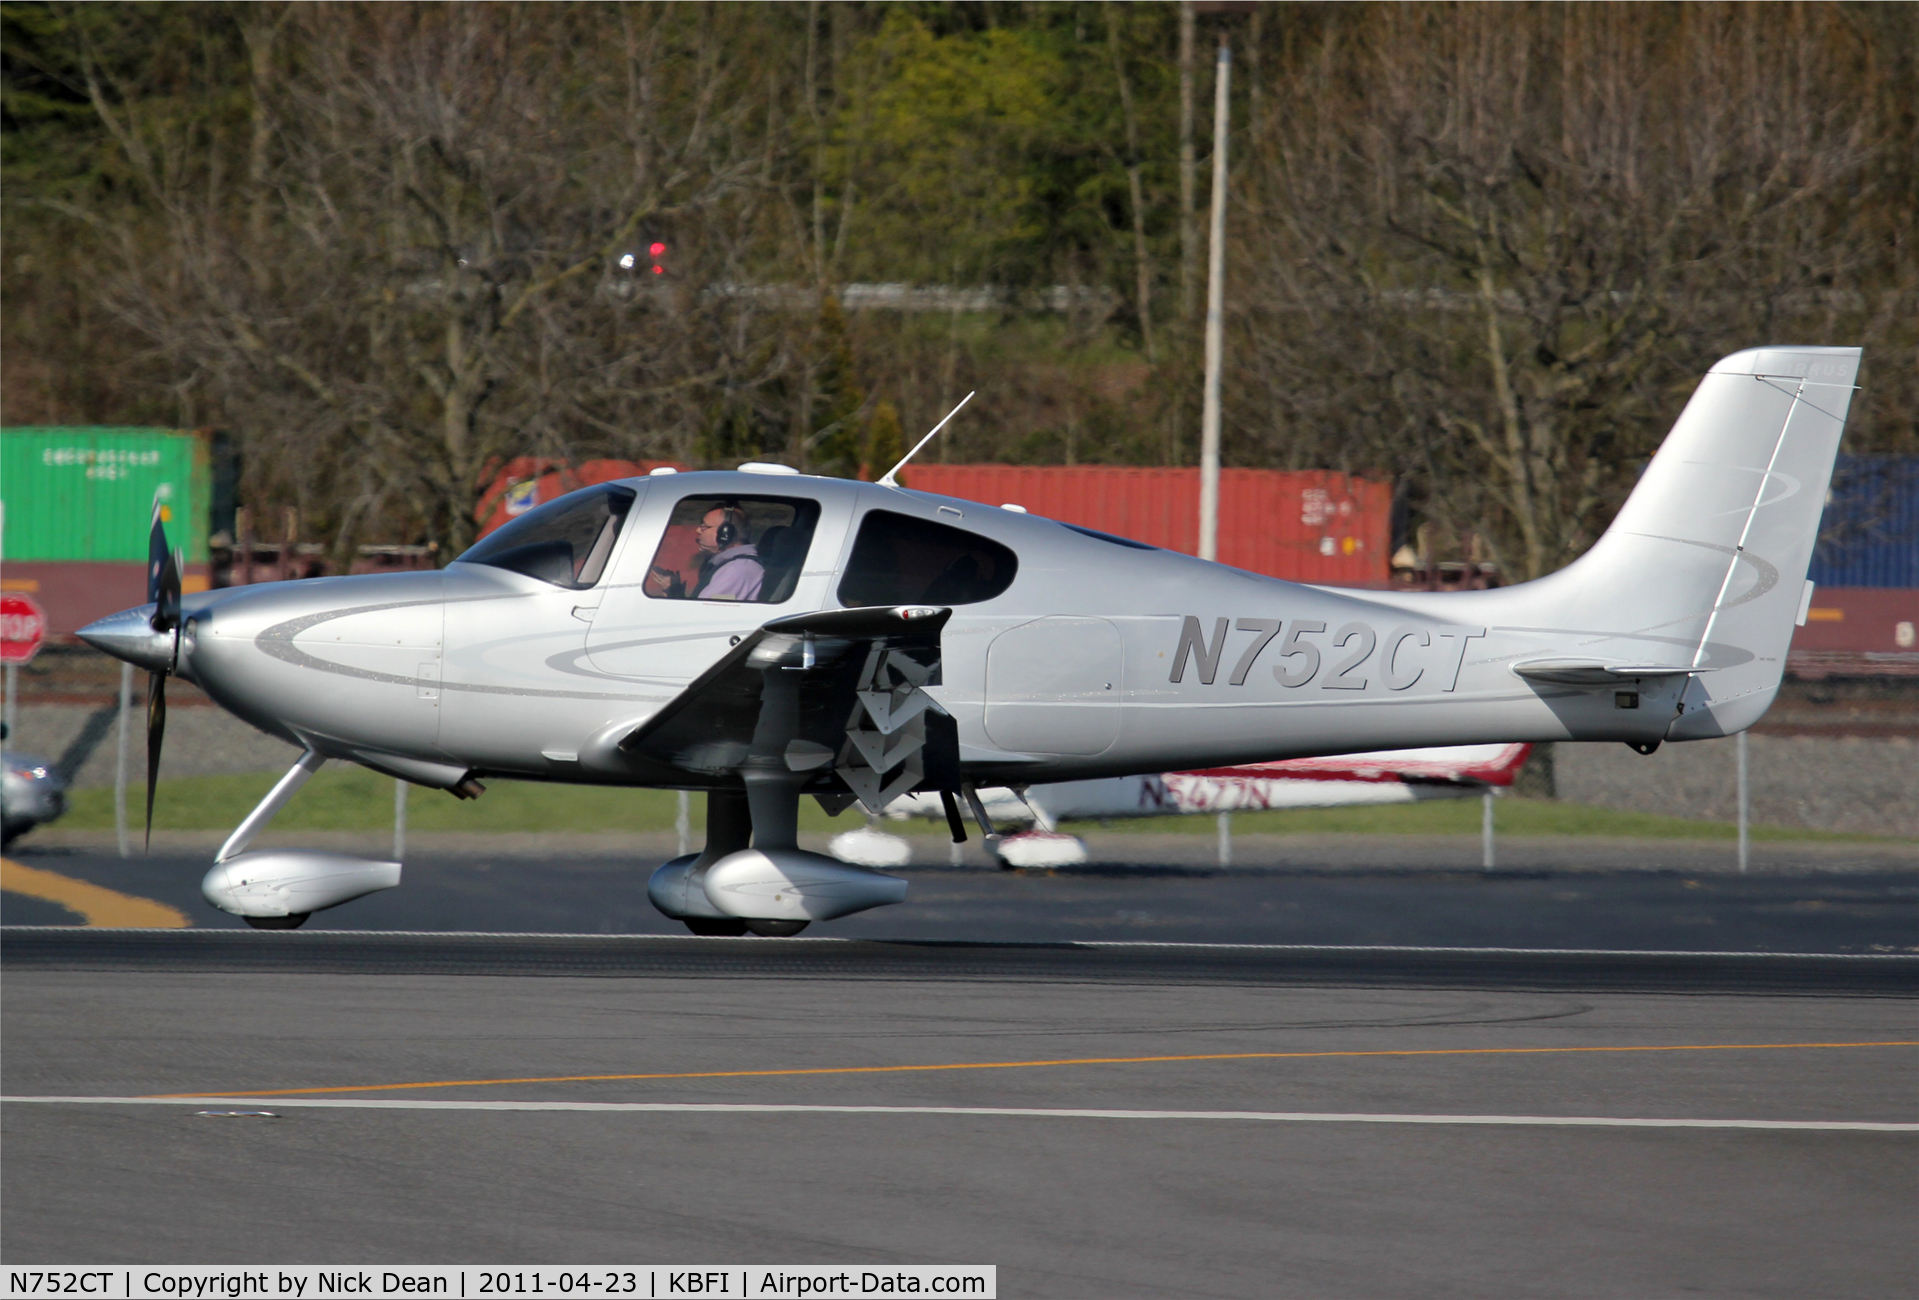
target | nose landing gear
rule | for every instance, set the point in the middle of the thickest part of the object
(277, 889)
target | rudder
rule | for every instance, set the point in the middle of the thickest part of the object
(1727, 515)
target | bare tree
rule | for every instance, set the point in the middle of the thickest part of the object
(449, 213)
(1483, 251)
(1498, 245)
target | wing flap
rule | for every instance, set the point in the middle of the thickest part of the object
(860, 706)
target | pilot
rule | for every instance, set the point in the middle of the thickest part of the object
(730, 567)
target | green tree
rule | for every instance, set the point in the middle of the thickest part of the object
(885, 440)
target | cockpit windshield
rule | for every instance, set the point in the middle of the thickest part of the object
(566, 542)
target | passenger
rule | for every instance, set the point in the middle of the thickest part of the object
(731, 569)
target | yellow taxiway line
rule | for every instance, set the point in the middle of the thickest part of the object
(1029, 1065)
(95, 904)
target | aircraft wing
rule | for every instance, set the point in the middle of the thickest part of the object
(1450, 764)
(1388, 776)
(836, 693)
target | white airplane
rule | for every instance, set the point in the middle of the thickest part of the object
(1347, 780)
(763, 636)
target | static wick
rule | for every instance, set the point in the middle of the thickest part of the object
(886, 479)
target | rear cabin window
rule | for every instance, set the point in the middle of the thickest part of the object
(902, 560)
(747, 549)
(566, 542)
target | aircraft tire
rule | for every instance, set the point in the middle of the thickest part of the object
(715, 925)
(291, 921)
(777, 929)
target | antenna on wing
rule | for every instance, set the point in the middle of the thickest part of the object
(886, 479)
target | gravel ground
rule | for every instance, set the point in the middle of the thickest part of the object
(1863, 785)
(202, 740)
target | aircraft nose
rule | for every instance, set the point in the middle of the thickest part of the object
(129, 635)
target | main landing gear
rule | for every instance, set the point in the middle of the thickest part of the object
(752, 874)
(753, 878)
(734, 926)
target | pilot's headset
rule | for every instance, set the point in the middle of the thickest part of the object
(732, 525)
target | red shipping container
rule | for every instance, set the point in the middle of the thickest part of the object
(528, 481)
(1300, 525)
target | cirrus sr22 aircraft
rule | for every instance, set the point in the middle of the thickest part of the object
(765, 636)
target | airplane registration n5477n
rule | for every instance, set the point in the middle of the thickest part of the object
(765, 636)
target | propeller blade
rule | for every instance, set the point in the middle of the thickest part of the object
(156, 735)
(157, 555)
(163, 575)
(166, 610)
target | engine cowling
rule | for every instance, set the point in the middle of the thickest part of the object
(292, 882)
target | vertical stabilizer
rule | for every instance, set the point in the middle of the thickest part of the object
(1714, 542)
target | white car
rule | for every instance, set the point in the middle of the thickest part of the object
(32, 792)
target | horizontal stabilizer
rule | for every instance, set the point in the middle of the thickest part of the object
(1595, 672)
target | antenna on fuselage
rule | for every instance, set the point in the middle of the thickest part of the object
(886, 479)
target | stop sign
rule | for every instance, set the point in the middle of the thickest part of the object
(22, 624)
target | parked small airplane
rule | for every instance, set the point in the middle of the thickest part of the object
(764, 636)
(1387, 777)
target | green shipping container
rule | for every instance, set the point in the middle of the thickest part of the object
(87, 494)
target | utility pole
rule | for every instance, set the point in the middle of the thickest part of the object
(120, 763)
(1188, 166)
(1745, 804)
(1215, 312)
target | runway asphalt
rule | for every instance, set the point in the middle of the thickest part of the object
(1672, 909)
(1096, 1118)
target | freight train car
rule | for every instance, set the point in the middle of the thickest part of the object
(1863, 620)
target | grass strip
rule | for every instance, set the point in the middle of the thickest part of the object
(341, 798)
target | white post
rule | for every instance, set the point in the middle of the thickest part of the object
(1225, 839)
(120, 763)
(683, 823)
(399, 820)
(1486, 830)
(1215, 318)
(1745, 808)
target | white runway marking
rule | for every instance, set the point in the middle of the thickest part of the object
(724, 1108)
(1088, 945)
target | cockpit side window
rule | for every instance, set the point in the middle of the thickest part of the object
(566, 542)
(748, 549)
(903, 560)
